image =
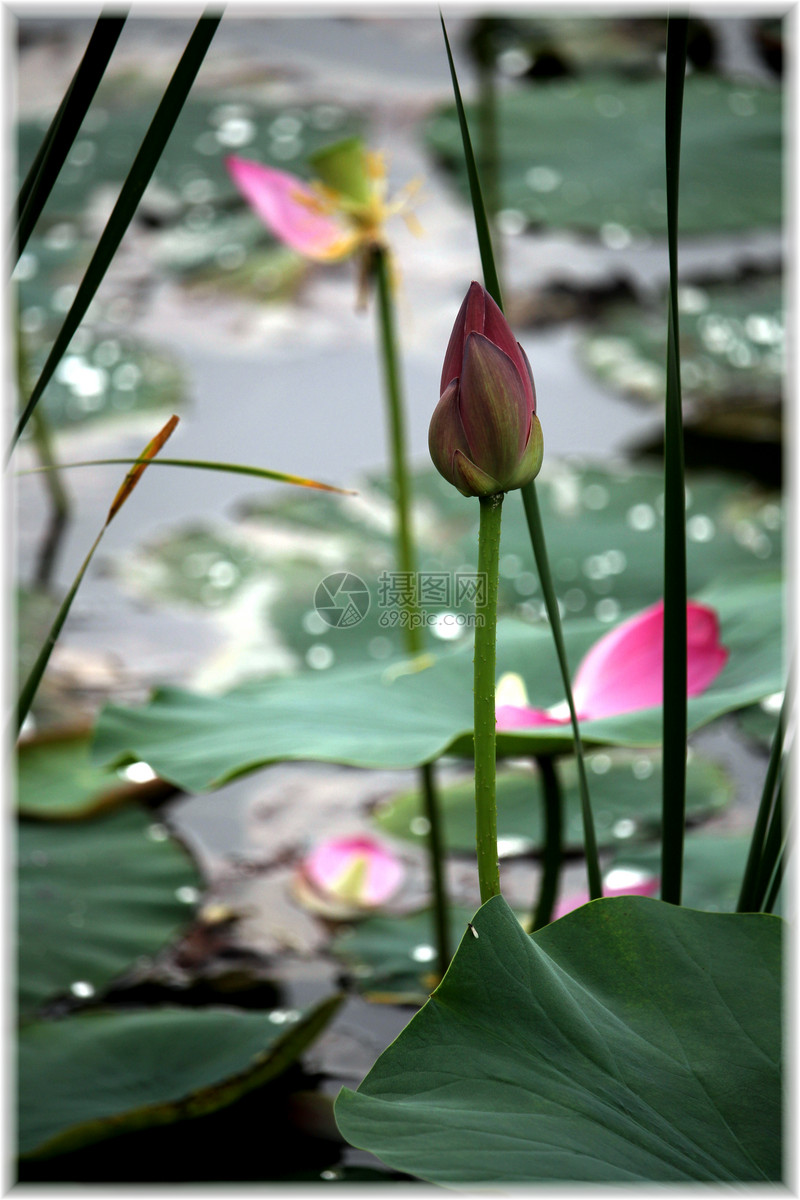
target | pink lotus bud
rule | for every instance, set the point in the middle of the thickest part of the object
(343, 877)
(484, 436)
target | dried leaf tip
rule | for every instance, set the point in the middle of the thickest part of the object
(137, 470)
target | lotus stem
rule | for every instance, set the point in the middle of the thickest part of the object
(553, 840)
(406, 558)
(485, 668)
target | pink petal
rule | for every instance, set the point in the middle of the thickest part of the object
(332, 862)
(512, 716)
(623, 671)
(649, 886)
(274, 196)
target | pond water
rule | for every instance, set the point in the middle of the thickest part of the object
(296, 387)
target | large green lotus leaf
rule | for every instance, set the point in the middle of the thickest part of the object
(392, 959)
(630, 1042)
(397, 716)
(626, 803)
(732, 355)
(603, 528)
(713, 868)
(57, 780)
(95, 1075)
(589, 154)
(93, 897)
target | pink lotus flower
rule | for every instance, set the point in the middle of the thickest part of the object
(623, 672)
(619, 882)
(342, 877)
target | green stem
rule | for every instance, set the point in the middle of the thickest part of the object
(553, 843)
(673, 819)
(397, 445)
(485, 722)
(436, 863)
(381, 271)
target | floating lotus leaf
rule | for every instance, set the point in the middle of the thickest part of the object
(732, 355)
(626, 803)
(589, 154)
(760, 722)
(404, 714)
(630, 1042)
(96, 1075)
(105, 372)
(392, 959)
(603, 527)
(94, 896)
(57, 780)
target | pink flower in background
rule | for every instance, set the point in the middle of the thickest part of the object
(619, 882)
(294, 212)
(340, 212)
(623, 672)
(342, 877)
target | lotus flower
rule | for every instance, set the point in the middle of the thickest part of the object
(342, 877)
(621, 881)
(623, 672)
(484, 435)
(332, 217)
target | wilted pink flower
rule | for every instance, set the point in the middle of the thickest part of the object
(484, 435)
(338, 213)
(636, 885)
(623, 672)
(348, 874)
(291, 209)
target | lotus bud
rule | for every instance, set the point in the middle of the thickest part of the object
(484, 435)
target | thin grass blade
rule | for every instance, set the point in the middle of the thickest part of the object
(675, 667)
(747, 894)
(138, 178)
(529, 496)
(31, 685)
(777, 878)
(773, 846)
(134, 475)
(533, 515)
(205, 465)
(63, 130)
(491, 280)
